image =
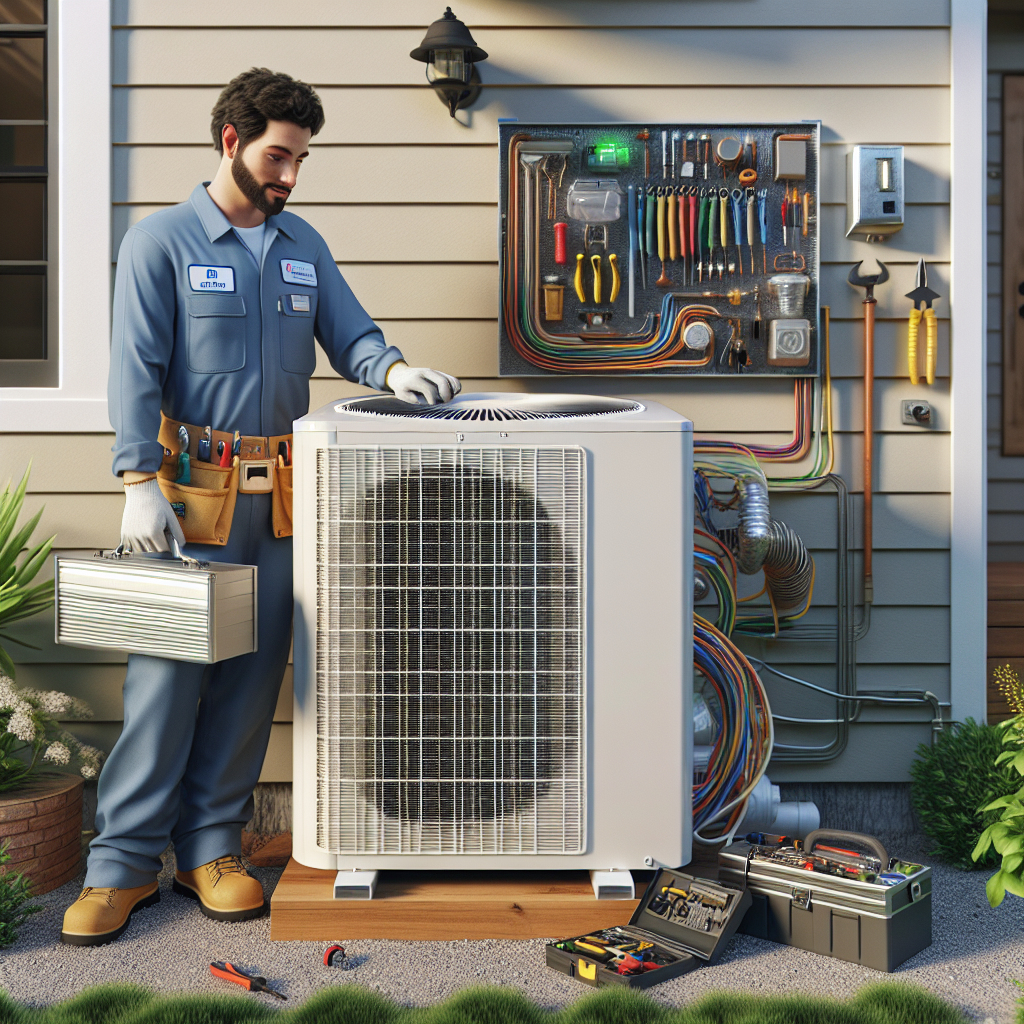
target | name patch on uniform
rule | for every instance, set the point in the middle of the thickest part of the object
(297, 272)
(211, 279)
(300, 303)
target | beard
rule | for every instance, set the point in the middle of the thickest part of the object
(256, 193)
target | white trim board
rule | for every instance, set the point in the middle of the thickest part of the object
(968, 501)
(79, 403)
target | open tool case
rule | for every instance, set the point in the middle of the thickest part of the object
(686, 921)
(716, 224)
(876, 918)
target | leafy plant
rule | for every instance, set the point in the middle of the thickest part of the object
(17, 599)
(951, 779)
(30, 734)
(1006, 835)
(15, 892)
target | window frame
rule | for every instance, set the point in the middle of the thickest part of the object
(78, 233)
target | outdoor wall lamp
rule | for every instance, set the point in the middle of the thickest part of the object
(450, 53)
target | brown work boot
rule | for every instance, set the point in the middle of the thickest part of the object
(224, 889)
(100, 915)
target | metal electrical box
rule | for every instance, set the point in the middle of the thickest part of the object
(874, 192)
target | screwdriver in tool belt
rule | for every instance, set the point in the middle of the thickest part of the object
(253, 982)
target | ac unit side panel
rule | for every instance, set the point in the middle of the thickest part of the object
(640, 647)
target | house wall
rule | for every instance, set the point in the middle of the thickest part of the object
(1005, 473)
(407, 200)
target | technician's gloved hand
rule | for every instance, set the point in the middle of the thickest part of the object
(147, 517)
(420, 386)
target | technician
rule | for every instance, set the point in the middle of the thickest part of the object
(217, 302)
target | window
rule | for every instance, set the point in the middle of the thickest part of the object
(28, 349)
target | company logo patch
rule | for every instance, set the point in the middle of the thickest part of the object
(211, 279)
(179, 508)
(297, 272)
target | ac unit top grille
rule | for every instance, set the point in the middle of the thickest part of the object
(500, 408)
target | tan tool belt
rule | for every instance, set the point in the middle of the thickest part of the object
(206, 504)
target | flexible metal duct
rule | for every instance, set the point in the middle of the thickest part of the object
(754, 532)
(760, 542)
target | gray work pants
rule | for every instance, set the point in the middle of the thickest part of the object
(195, 736)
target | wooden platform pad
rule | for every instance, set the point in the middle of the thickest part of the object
(443, 905)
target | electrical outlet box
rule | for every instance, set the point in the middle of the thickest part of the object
(874, 192)
(915, 413)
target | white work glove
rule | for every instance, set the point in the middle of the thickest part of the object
(147, 517)
(420, 386)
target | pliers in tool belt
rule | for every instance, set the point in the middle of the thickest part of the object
(925, 296)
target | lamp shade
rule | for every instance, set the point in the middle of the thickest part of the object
(448, 33)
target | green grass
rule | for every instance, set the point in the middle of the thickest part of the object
(887, 1003)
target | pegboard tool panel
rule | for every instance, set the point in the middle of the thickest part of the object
(659, 249)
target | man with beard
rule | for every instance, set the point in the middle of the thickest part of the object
(217, 302)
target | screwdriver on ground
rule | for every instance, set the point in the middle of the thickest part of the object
(253, 982)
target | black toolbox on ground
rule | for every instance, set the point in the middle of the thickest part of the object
(681, 923)
(876, 918)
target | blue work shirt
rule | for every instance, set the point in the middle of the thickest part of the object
(213, 336)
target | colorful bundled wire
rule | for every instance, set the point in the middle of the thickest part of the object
(808, 396)
(744, 741)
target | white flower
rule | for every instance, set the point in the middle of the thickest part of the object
(21, 724)
(53, 702)
(88, 771)
(58, 753)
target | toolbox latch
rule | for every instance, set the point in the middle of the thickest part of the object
(915, 890)
(587, 970)
(802, 898)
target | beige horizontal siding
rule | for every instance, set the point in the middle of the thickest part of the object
(190, 13)
(581, 55)
(174, 113)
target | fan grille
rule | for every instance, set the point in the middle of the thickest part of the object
(450, 696)
(502, 408)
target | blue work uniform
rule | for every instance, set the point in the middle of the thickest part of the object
(211, 333)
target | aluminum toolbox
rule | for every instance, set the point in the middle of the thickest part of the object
(867, 923)
(166, 607)
(688, 942)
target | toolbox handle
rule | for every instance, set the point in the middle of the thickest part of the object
(187, 560)
(822, 835)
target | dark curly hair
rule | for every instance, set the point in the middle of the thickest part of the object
(257, 96)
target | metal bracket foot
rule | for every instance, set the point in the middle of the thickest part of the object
(355, 885)
(613, 884)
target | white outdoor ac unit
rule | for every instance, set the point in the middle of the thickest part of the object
(493, 634)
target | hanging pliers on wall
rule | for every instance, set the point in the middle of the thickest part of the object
(925, 296)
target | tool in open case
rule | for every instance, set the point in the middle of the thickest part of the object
(835, 893)
(680, 923)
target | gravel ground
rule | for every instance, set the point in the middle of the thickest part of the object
(975, 953)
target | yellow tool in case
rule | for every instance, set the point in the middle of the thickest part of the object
(168, 607)
(681, 923)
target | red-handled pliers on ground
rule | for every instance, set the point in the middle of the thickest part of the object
(253, 982)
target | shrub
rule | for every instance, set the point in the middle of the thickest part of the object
(15, 892)
(950, 780)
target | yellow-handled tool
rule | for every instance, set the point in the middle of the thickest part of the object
(595, 262)
(925, 296)
(578, 279)
(613, 261)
